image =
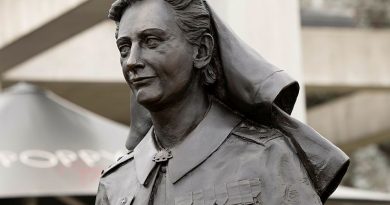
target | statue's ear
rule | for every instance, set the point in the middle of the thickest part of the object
(203, 52)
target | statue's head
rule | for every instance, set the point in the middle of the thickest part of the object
(205, 51)
(165, 47)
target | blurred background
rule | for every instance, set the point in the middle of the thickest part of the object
(65, 53)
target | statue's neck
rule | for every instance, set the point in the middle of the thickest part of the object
(176, 121)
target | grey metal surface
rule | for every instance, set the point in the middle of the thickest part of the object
(311, 17)
(346, 195)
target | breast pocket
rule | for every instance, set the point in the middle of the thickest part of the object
(232, 193)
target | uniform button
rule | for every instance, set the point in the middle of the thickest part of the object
(123, 201)
(263, 130)
(163, 169)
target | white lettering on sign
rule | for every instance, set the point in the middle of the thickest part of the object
(64, 157)
(7, 158)
(110, 155)
(90, 157)
(38, 158)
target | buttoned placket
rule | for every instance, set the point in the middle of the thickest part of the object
(158, 194)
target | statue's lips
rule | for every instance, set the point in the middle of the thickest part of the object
(141, 80)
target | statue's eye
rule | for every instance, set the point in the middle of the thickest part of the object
(124, 50)
(152, 42)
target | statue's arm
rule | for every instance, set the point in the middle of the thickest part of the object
(287, 181)
(325, 163)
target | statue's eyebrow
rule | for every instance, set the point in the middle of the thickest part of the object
(154, 31)
(151, 31)
(122, 40)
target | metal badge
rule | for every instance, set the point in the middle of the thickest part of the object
(162, 156)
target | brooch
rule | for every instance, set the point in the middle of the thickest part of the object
(162, 156)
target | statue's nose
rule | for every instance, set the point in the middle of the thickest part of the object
(134, 61)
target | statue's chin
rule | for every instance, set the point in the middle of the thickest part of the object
(148, 99)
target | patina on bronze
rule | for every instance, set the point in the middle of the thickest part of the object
(210, 117)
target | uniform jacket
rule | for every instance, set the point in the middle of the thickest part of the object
(224, 160)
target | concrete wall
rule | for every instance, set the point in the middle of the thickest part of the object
(90, 56)
(346, 58)
(270, 26)
(18, 17)
(354, 120)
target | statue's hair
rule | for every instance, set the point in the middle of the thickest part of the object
(193, 18)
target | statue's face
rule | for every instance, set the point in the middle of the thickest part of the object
(155, 56)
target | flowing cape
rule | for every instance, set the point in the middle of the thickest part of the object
(264, 93)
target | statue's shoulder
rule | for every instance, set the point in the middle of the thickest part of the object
(256, 133)
(120, 161)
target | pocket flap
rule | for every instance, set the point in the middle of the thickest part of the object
(236, 192)
(184, 200)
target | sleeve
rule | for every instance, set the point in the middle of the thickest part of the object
(286, 180)
(101, 197)
(325, 163)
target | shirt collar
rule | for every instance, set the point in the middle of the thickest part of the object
(143, 155)
(196, 148)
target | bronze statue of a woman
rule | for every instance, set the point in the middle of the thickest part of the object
(210, 117)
